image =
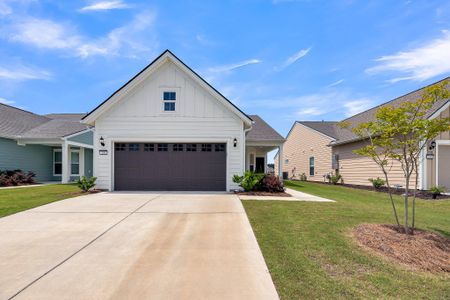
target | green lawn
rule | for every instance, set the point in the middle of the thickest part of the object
(310, 254)
(19, 199)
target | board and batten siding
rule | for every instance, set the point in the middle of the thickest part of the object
(139, 117)
(301, 144)
(35, 158)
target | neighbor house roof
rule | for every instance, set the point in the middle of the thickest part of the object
(344, 135)
(16, 123)
(261, 131)
(328, 128)
(166, 55)
(75, 116)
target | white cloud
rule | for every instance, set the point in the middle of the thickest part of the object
(127, 40)
(309, 106)
(234, 66)
(427, 61)
(5, 101)
(336, 83)
(21, 73)
(5, 9)
(42, 33)
(356, 106)
(105, 5)
(310, 111)
(292, 59)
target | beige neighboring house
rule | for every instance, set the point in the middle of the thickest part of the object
(307, 150)
(305, 139)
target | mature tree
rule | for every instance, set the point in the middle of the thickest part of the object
(399, 133)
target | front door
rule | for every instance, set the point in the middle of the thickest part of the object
(260, 165)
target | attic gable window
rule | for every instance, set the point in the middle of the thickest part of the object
(169, 99)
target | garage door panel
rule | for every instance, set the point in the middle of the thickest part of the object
(169, 170)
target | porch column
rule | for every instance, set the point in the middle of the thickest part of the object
(280, 162)
(65, 163)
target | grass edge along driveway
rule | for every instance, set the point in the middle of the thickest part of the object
(311, 255)
(19, 199)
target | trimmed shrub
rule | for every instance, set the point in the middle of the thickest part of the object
(377, 183)
(272, 184)
(250, 181)
(16, 177)
(86, 183)
(303, 177)
(335, 179)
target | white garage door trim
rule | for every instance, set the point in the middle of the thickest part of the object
(171, 140)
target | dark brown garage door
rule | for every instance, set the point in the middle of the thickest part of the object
(170, 167)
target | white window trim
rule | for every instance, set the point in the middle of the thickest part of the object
(169, 101)
(79, 161)
(53, 165)
(314, 166)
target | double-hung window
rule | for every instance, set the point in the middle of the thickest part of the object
(169, 100)
(74, 162)
(57, 162)
(311, 166)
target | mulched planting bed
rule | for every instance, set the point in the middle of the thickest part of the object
(400, 191)
(283, 194)
(424, 250)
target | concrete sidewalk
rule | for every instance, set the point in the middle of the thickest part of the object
(133, 246)
(295, 196)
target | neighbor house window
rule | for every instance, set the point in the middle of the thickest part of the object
(74, 162)
(169, 99)
(311, 166)
(163, 147)
(57, 162)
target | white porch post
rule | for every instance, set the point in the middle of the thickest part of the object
(81, 162)
(280, 162)
(65, 163)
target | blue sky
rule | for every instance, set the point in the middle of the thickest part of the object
(285, 60)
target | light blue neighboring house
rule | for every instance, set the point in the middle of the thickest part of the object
(37, 143)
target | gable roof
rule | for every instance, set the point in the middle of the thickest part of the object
(16, 123)
(261, 131)
(166, 55)
(346, 135)
(328, 128)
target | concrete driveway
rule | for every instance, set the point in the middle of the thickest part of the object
(133, 246)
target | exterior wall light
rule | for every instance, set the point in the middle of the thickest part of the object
(102, 141)
(235, 142)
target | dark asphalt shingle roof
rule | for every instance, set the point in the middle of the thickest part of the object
(18, 123)
(54, 129)
(75, 116)
(15, 121)
(329, 128)
(261, 131)
(346, 135)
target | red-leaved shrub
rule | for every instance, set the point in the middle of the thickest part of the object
(272, 184)
(16, 177)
